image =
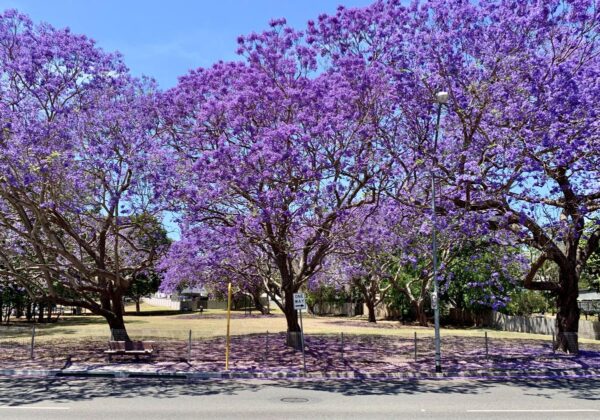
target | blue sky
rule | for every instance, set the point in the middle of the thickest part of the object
(164, 39)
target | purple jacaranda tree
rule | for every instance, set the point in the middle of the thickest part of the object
(391, 252)
(75, 149)
(521, 141)
(362, 260)
(278, 150)
(211, 258)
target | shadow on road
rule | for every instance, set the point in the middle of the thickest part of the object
(15, 392)
(580, 388)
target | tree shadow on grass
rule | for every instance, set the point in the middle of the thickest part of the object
(75, 320)
(362, 323)
(77, 327)
(166, 312)
(223, 315)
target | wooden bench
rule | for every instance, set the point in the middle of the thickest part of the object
(129, 348)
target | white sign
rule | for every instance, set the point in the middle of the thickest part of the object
(299, 301)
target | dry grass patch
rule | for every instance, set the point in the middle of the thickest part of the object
(212, 323)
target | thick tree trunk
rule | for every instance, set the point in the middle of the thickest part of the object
(371, 311)
(419, 307)
(28, 312)
(116, 321)
(117, 328)
(137, 305)
(567, 317)
(294, 338)
(259, 305)
(40, 312)
(369, 297)
(105, 301)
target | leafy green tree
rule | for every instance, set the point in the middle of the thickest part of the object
(483, 277)
(325, 293)
(590, 277)
(143, 284)
(11, 297)
(527, 302)
(150, 234)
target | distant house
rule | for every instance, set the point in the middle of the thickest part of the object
(589, 302)
(189, 299)
(194, 298)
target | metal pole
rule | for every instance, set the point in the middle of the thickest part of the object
(302, 338)
(32, 341)
(435, 295)
(227, 341)
(415, 346)
(117, 281)
(190, 346)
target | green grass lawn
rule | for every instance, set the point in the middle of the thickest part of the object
(161, 322)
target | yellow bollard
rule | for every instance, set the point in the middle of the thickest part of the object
(228, 323)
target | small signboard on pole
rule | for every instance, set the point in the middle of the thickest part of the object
(299, 301)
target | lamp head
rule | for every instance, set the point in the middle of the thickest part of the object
(441, 97)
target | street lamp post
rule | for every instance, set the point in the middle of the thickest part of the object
(441, 99)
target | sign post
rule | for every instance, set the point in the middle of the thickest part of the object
(299, 304)
(227, 342)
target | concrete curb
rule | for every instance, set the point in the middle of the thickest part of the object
(469, 374)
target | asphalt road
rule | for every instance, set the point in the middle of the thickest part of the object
(150, 399)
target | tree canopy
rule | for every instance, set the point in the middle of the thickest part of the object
(76, 140)
(311, 156)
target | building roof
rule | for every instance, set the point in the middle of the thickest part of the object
(194, 291)
(589, 295)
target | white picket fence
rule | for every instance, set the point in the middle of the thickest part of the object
(167, 303)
